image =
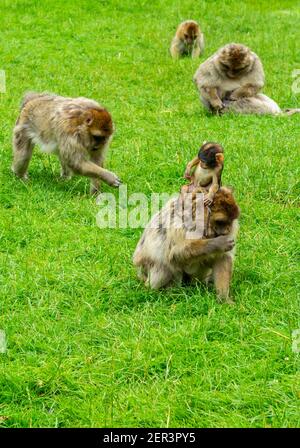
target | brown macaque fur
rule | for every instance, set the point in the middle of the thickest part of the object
(78, 130)
(165, 255)
(230, 81)
(188, 40)
(209, 166)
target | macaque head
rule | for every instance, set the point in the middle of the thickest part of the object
(189, 32)
(234, 60)
(224, 211)
(99, 125)
(211, 154)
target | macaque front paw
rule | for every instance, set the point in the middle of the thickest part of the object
(217, 108)
(225, 244)
(111, 179)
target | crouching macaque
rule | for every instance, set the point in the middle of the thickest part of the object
(188, 40)
(78, 130)
(230, 81)
(166, 253)
(209, 166)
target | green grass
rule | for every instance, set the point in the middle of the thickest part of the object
(87, 344)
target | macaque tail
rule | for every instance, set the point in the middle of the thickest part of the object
(291, 111)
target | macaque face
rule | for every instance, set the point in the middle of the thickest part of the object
(224, 211)
(211, 155)
(234, 60)
(190, 33)
(220, 223)
(100, 127)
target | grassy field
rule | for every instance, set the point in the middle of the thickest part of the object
(87, 344)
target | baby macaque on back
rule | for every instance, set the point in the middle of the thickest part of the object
(207, 172)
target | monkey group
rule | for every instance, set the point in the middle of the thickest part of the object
(79, 132)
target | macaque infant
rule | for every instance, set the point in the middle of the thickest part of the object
(188, 40)
(209, 166)
(77, 130)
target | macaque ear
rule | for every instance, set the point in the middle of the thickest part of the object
(89, 119)
(220, 157)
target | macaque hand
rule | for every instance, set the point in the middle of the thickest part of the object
(217, 107)
(233, 96)
(111, 179)
(187, 175)
(208, 199)
(224, 243)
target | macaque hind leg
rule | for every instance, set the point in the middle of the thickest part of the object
(65, 171)
(22, 148)
(222, 273)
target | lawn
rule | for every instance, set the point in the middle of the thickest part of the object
(87, 344)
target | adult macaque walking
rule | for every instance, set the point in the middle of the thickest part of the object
(231, 81)
(78, 130)
(165, 254)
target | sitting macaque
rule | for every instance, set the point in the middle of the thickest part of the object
(188, 40)
(209, 166)
(78, 130)
(165, 255)
(231, 80)
(232, 73)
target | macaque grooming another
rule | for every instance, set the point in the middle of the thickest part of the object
(209, 166)
(230, 81)
(188, 40)
(166, 255)
(77, 130)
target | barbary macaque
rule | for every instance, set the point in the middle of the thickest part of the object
(231, 80)
(188, 40)
(209, 166)
(233, 72)
(165, 255)
(78, 130)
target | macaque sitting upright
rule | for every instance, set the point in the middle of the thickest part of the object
(209, 165)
